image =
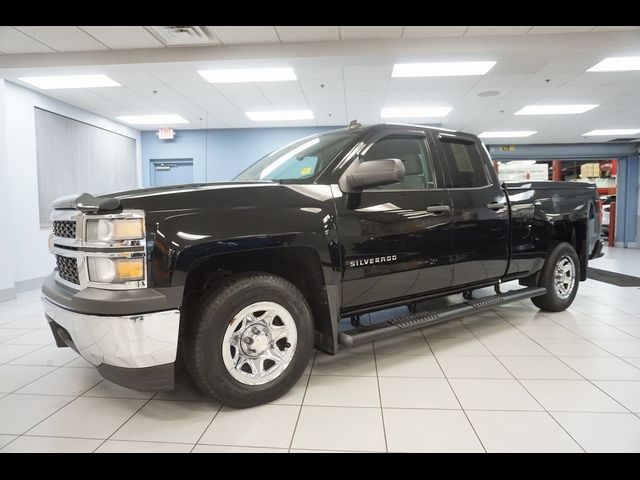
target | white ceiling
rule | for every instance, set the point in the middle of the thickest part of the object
(542, 65)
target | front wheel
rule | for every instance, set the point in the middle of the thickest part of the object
(250, 340)
(560, 275)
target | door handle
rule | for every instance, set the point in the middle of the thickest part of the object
(495, 205)
(439, 209)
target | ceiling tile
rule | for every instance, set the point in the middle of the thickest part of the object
(368, 71)
(237, 88)
(312, 33)
(558, 29)
(312, 73)
(365, 96)
(279, 87)
(230, 35)
(123, 37)
(316, 85)
(360, 84)
(324, 97)
(434, 31)
(445, 95)
(287, 100)
(498, 30)
(249, 102)
(404, 96)
(15, 42)
(417, 83)
(614, 28)
(369, 32)
(63, 39)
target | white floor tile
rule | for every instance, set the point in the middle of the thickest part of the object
(88, 417)
(493, 394)
(33, 337)
(603, 368)
(510, 432)
(295, 395)
(338, 428)
(539, 368)
(5, 439)
(600, 331)
(571, 396)
(457, 346)
(539, 332)
(50, 356)
(627, 393)
(450, 329)
(29, 444)
(79, 362)
(184, 390)
(514, 346)
(408, 366)
(6, 334)
(11, 352)
(263, 426)
(632, 330)
(168, 421)
(621, 348)
(30, 321)
(235, 449)
(417, 393)
(603, 432)
(403, 345)
(342, 391)
(573, 348)
(472, 366)
(346, 364)
(632, 360)
(18, 413)
(13, 377)
(64, 381)
(618, 319)
(106, 389)
(429, 431)
(121, 446)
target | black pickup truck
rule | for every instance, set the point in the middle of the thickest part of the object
(241, 280)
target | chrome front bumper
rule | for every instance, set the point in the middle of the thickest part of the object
(132, 341)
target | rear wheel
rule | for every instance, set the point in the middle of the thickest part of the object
(560, 275)
(250, 340)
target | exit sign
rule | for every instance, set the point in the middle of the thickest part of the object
(508, 148)
(166, 134)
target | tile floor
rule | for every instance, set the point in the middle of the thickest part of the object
(511, 379)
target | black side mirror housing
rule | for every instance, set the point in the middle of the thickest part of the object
(373, 173)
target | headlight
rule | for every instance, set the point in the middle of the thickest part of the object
(115, 270)
(104, 230)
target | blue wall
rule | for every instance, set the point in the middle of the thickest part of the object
(219, 154)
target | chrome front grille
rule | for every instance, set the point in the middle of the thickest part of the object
(64, 228)
(68, 269)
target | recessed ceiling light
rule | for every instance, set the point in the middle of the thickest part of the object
(415, 112)
(168, 119)
(238, 75)
(508, 134)
(616, 64)
(442, 69)
(70, 81)
(615, 131)
(554, 109)
(280, 115)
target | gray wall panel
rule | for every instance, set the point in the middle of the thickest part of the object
(75, 157)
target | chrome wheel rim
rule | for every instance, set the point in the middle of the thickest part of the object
(259, 343)
(564, 277)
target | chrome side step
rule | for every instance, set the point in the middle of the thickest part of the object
(399, 325)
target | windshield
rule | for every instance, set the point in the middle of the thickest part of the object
(301, 160)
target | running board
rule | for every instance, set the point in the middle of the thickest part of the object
(414, 321)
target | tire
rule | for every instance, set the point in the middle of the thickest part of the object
(560, 292)
(228, 329)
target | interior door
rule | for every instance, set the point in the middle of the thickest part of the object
(171, 172)
(396, 238)
(480, 211)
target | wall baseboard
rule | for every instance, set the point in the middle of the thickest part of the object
(7, 294)
(31, 284)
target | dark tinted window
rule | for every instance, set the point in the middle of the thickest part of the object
(414, 155)
(467, 168)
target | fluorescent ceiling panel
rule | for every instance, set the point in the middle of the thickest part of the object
(168, 119)
(280, 115)
(415, 112)
(442, 69)
(615, 131)
(554, 109)
(508, 134)
(616, 64)
(239, 75)
(70, 81)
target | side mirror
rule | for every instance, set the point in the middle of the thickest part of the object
(373, 173)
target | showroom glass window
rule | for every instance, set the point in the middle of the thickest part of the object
(412, 151)
(467, 169)
(302, 160)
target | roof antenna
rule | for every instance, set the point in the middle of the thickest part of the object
(353, 124)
